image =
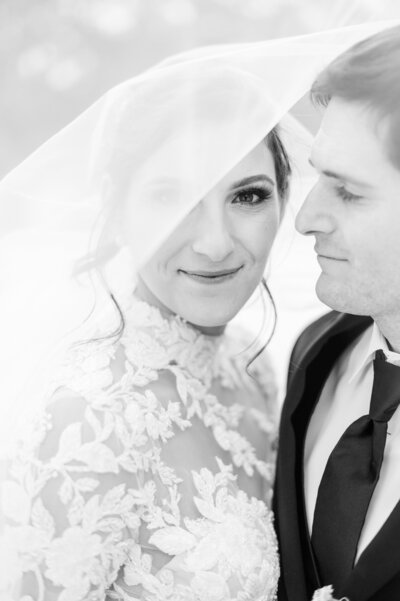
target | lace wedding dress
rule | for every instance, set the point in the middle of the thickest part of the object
(148, 473)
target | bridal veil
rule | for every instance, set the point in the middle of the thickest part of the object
(199, 113)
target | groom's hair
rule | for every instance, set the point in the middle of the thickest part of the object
(368, 73)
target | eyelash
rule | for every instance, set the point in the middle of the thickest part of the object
(262, 193)
(346, 195)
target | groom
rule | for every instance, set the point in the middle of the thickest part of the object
(337, 497)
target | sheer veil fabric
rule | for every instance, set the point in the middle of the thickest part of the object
(198, 113)
(203, 110)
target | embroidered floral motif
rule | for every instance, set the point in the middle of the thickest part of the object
(101, 498)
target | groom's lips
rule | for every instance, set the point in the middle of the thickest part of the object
(326, 255)
(320, 256)
(211, 277)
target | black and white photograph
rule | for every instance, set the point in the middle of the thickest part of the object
(200, 300)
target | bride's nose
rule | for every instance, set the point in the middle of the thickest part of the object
(211, 234)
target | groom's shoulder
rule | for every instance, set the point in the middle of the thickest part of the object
(325, 326)
(314, 331)
(320, 328)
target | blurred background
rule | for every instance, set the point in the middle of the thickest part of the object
(59, 56)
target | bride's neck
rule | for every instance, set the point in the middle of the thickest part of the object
(143, 292)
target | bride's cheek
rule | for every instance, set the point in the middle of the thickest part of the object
(262, 238)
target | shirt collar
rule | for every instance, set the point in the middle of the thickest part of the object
(364, 351)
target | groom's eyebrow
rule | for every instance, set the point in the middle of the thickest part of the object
(341, 176)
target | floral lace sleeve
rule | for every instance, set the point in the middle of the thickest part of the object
(72, 502)
(80, 487)
(135, 482)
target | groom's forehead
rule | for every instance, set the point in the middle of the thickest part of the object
(349, 133)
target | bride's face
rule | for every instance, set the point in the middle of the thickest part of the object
(213, 261)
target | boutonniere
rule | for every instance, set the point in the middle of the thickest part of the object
(326, 594)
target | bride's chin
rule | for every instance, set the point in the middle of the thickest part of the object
(208, 314)
(208, 319)
(209, 330)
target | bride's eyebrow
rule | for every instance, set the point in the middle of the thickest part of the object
(252, 179)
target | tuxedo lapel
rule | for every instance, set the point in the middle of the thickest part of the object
(309, 345)
(314, 361)
(336, 331)
(311, 363)
(318, 360)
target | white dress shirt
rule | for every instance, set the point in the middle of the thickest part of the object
(346, 397)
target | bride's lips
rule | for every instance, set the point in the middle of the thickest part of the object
(211, 277)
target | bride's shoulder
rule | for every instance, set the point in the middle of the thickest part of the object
(108, 369)
(96, 405)
(86, 366)
(75, 376)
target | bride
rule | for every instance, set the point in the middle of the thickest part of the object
(146, 470)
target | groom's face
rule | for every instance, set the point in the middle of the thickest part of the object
(354, 213)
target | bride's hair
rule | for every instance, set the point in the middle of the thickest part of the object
(282, 165)
(368, 73)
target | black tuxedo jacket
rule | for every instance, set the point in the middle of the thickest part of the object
(376, 576)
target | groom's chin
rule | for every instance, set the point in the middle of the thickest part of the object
(332, 293)
(341, 296)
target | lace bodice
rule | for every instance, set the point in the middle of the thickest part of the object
(147, 473)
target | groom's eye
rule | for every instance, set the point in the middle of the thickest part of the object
(345, 194)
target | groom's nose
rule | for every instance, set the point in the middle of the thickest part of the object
(314, 214)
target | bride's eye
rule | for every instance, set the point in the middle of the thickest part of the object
(252, 196)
